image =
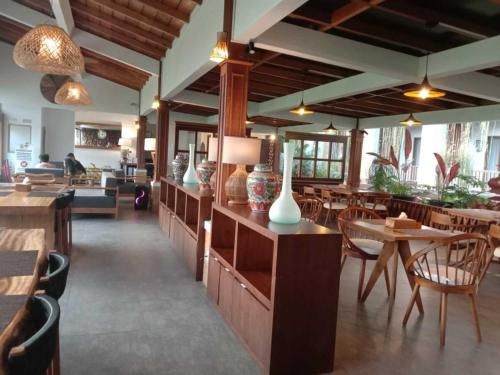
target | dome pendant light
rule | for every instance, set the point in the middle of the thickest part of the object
(425, 91)
(411, 121)
(48, 49)
(330, 128)
(73, 93)
(301, 110)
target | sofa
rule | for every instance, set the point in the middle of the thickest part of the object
(96, 200)
(57, 172)
(125, 184)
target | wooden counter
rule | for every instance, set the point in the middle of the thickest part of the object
(27, 210)
(23, 259)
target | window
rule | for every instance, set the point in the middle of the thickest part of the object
(416, 151)
(197, 134)
(493, 154)
(318, 156)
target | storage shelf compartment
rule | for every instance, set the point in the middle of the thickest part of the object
(171, 196)
(180, 205)
(259, 283)
(191, 219)
(163, 191)
(223, 235)
(254, 259)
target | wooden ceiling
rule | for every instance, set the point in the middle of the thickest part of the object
(96, 64)
(416, 27)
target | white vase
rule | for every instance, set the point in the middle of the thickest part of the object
(190, 175)
(285, 210)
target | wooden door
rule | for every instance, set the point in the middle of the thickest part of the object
(213, 278)
(226, 292)
(189, 250)
(239, 314)
(257, 330)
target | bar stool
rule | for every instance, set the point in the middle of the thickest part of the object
(54, 284)
(62, 222)
(33, 355)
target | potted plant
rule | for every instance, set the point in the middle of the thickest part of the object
(394, 183)
(460, 195)
(446, 177)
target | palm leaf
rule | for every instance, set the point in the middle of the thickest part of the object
(441, 165)
(379, 158)
(452, 174)
(394, 159)
(407, 143)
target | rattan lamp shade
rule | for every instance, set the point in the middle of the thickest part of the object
(73, 93)
(48, 49)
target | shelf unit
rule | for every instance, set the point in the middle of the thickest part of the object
(277, 286)
(182, 212)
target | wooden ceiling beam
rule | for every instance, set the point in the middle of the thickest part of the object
(432, 18)
(134, 15)
(90, 12)
(166, 10)
(348, 11)
(133, 44)
(311, 67)
(291, 75)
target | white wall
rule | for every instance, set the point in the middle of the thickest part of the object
(59, 125)
(101, 158)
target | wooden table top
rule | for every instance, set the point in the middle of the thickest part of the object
(476, 213)
(346, 190)
(377, 229)
(58, 188)
(23, 256)
(37, 202)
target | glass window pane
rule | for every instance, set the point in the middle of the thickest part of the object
(307, 168)
(296, 146)
(309, 149)
(321, 169)
(185, 139)
(295, 168)
(323, 150)
(199, 158)
(202, 141)
(337, 150)
(336, 170)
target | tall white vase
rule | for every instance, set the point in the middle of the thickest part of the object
(285, 210)
(190, 175)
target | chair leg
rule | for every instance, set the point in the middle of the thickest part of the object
(342, 262)
(57, 359)
(444, 307)
(387, 282)
(475, 315)
(327, 216)
(361, 279)
(413, 298)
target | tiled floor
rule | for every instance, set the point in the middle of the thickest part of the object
(132, 307)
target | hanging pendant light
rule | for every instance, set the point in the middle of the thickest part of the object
(220, 52)
(330, 128)
(411, 121)
(73, 93)
(302, 110)
(156, 102)
(48, 49)
(248, 121)
(426, 90)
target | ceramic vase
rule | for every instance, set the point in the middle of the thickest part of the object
(190, 175)
(204, 171)
(285, 209)
(261, 187)
(179, 166)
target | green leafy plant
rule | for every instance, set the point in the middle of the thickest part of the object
(460, 195)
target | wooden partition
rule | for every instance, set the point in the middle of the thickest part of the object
(182, 211)
(417, 211)
(277, 286)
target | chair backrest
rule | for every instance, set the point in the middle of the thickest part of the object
(309, 192)
(34, 355)
(57, 172)
(325, 194)
(494, 234)
(440, 221)
(457, 261)
(310, 209)
(64, 200)
(54, 283)
(350, 214)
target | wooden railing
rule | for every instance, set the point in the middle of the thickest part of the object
(417, 211)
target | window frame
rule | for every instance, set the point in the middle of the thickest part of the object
(196, 128)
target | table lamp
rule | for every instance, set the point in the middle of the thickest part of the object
(240, 151)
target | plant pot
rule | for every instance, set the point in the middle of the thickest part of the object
(407, 198)
(261, 187)
(439, 203)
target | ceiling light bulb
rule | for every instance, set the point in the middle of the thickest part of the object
(50, 46)
(74, 93)
(301, 111)
(273, 137)
(424, 93)
(156, 103)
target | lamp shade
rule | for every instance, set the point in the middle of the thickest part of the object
(125, 142)
(149, 144)
(213, 144)
(239, 150)
(72, 93)
(48, 49)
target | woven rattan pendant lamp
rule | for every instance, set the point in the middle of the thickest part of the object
(48, 49)
(73, 93)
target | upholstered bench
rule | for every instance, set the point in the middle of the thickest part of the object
(96, 200)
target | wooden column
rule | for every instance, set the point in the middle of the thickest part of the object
(162, 117)
(356, 152)
(232, 114)
(141, 135)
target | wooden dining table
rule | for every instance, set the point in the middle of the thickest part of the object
(23, 259)
(396, 241)
(479, 214)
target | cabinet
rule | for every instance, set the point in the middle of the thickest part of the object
(277, 286)
(182, 212)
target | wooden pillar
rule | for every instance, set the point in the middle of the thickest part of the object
(162, 118)
(356, 152)
(141, 135)
(232, 115)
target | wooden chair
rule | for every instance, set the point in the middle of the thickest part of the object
(447, 222)
(433, 269)
(494, 235)
(332, 204)
(309, 192)
(354, 244)
(311, 209)
(376, 201)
